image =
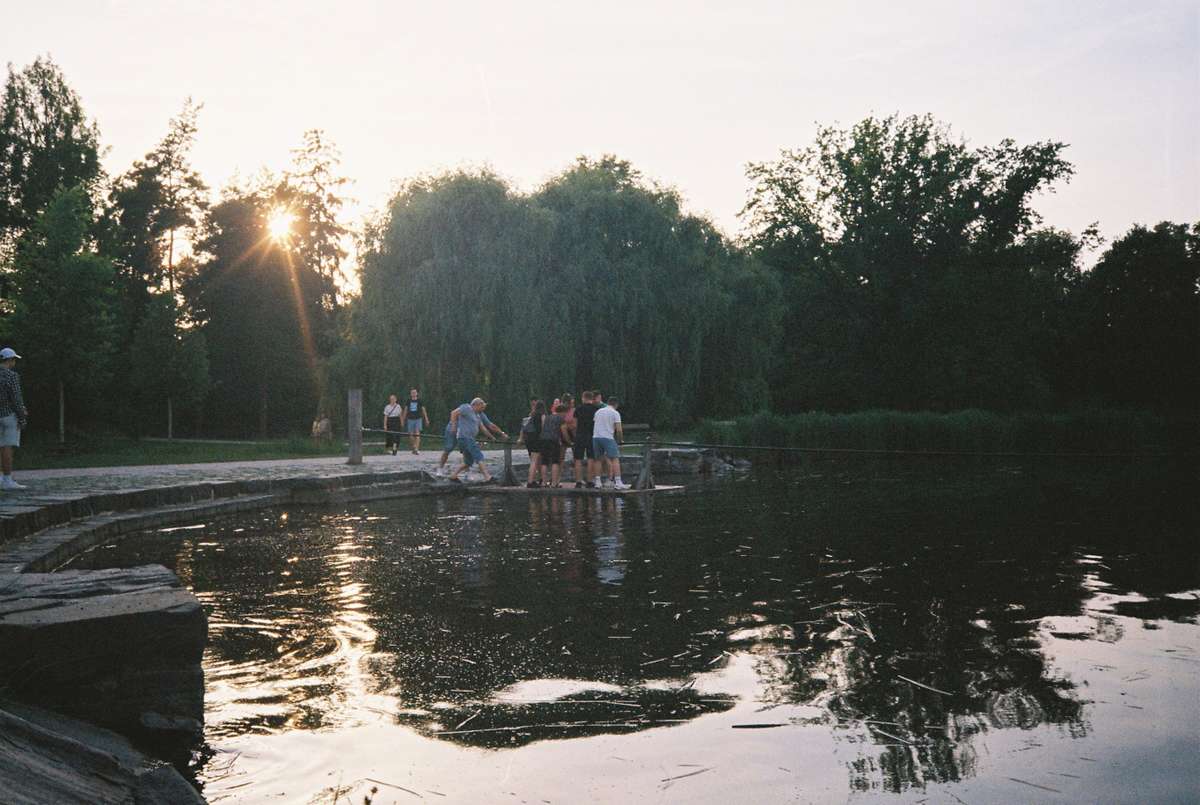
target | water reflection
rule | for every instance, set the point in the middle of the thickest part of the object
(909, 617)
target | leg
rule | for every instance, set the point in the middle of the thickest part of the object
(6, 459)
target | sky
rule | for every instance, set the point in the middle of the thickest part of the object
(688, 92)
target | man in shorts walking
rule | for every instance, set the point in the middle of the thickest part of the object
(450, 436)
(606, 438)
(414, 414)
(467, 420)
(13, 416)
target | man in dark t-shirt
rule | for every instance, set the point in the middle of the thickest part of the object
(581, 449)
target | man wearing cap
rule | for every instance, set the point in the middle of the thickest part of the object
(466, 420)
(12, 416)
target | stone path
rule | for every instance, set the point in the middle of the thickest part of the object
(86, 480)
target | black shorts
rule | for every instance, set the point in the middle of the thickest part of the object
(551, 452)
(582, 449)
(532, 445)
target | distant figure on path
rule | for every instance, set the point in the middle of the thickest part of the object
(322, 428)
(393, 415)
(13, 416)
(607, 435)
(467, 420)
(414, 415)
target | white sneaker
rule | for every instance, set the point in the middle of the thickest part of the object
(9, 483)
(621, 485)
(597, 484)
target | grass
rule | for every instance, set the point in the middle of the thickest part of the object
(1096, 431)
(43, 452)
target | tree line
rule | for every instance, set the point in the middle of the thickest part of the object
(888, 265)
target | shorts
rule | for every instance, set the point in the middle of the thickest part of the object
(471, 453)
(551, 452)
(10, 431)
(413, 425)
(583, 449)
(532, 444)
(605, 448)
(449, 439)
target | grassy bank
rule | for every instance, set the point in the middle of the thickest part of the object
(43, 452)
(969, 431)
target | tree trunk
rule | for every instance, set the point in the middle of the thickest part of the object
(171, 262)
(62, 414)
(262, 409)
(170, 419)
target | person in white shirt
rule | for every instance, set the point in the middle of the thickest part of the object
(393, 415)
(606, 438)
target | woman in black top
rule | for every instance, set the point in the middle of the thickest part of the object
(531, 428)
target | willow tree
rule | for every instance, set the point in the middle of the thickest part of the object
(597, 279)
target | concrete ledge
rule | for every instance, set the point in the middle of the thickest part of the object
(35, 513)
(48, 757)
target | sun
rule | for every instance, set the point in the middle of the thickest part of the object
(279, 224)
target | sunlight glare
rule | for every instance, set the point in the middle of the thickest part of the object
(279, 224)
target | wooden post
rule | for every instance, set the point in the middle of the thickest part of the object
(646, 476)
(509, 479)
(354, 425)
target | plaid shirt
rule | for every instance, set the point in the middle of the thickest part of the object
(11, 401)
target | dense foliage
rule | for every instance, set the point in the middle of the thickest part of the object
(889, 265)
(596, 280)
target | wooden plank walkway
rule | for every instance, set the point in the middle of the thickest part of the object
(495, 489)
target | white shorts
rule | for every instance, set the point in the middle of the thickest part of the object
(10, 431)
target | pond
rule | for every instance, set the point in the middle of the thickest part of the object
(822, 632)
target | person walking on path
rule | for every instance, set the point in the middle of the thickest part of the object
(467, 420)
(606, 438)
(531, 428)
(581, 447)
(13, 416)
(393, 416)
(414, 414)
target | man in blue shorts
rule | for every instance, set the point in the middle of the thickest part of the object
(450, 437)
(412, 417)
(606, 435)
(467, 420)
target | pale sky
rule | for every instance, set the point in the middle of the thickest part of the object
(688, 92)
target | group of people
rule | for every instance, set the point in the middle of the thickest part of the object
(591, 429)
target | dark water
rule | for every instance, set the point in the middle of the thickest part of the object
(762, 639)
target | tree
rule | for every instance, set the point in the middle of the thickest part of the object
(899, 248)
(151, 203)
(46, 144)
(1138, 317)
(168, 364)
(599, 279)
(312, 189)
(63, 308)
(255, 302)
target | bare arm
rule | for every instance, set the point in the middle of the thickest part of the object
(425, 415)
(620, 434)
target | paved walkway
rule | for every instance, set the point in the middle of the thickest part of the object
(85, 480)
